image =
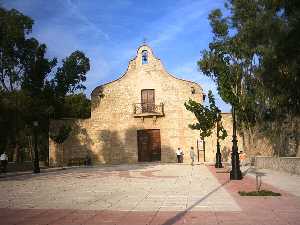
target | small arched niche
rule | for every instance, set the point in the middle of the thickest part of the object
(144, 57)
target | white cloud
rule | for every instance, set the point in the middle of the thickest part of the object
(87, 24)
(183, 16)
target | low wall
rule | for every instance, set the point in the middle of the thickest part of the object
(284, 164)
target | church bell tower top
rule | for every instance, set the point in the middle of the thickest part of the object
(145, 55)
(144, 47)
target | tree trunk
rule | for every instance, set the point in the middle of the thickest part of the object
(203, 149)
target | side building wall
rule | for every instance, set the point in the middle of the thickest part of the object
(75, 147)
(114, 146)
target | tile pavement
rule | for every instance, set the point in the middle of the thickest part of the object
(146, 194)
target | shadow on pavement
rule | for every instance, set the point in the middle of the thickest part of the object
(178, 216)
(88, 170)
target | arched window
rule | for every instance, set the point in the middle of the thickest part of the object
(144, 57)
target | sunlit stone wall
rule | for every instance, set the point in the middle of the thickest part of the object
(110, 135)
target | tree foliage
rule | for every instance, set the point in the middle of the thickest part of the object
(62, 134)
(254, 68)
(207, 116)
(227, 64)
(77, 106)
(70, 76)
(254, 60)
(221, 132)
(14, 27)
(31, 86)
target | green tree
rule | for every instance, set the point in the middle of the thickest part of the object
(207, 117)
(27, 91)
(14, 26)
(255, 70)
(77, 106)
(224, 62)
(70, 76)
(229, 63)
(14, 46)
(68, 79)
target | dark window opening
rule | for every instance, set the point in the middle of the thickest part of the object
(193, 90)
(144, 57)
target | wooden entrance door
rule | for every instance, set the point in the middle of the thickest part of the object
(148, 100)
(149, 145)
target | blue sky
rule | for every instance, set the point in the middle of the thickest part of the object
(109, 32)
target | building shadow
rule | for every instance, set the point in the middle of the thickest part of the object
(122, 148)
(106, 147)
(118, 147)
(76, 149)
(180, 215)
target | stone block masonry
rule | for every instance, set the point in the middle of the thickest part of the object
(111, 134)
(284, 164)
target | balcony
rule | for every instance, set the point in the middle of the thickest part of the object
(148, 110)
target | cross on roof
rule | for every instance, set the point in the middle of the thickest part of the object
(144, 40)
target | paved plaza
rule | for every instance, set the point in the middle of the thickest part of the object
(147, 194)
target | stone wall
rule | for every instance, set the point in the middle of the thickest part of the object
(110, 135)
(76, 147)
(256, 144)
(284, 164)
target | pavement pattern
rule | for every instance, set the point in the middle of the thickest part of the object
(146, 194)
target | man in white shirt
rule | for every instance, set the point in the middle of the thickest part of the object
(181, 155)
(4, 160)
(178, 154)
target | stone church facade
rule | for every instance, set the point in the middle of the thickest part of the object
(139, 117)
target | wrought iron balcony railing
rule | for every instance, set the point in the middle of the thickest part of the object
(148, 109)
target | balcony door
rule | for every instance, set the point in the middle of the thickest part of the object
(148, 100)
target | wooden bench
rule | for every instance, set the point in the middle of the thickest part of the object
(76, 162)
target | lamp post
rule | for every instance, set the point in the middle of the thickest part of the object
(36, 167)
(235, 173)
(218, 154)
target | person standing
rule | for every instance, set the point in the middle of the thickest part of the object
(181, 156)
(4, 161)
(178, 154)
(192, 155)
(242, 157)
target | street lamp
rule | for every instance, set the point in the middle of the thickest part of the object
(235, 173)
(218, 154)
(36, 166)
